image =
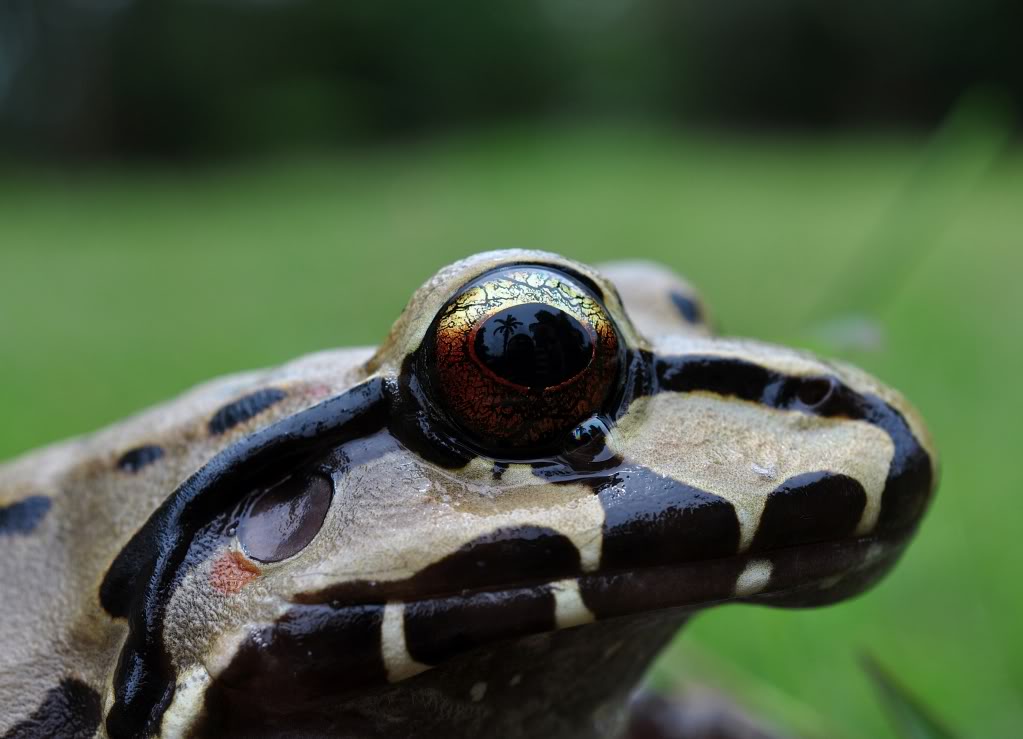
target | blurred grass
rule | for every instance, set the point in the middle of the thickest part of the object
(122, 287)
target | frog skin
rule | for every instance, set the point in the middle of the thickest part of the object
(489, 526)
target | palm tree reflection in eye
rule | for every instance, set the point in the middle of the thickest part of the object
(506, 327)
(544, 352)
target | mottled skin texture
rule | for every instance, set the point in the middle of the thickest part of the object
(570, 551)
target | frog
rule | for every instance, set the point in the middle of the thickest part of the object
(490, 525)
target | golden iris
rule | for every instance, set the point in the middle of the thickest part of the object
(521, 355)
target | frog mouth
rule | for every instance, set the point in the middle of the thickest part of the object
(336, 648)
(436, 628)
(803, 575)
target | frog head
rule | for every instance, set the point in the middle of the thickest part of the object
(538, 464)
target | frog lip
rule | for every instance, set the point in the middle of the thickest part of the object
(335, 648)
(802, 575)
(798, 575)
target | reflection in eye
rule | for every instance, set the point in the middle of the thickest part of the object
(283, 519)
(534, 345)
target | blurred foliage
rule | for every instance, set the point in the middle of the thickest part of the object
(912, 719)
(123, 286)
(223, 77)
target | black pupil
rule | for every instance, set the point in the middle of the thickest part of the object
(534, 345)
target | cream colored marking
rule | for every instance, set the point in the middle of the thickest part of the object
(477, 691)
(716, 442)
(754, 578)
(380, 530)
(800, 364)
(589, 547)
(862, 382)
(516, 679)
(874, 553)
(872, 510)
(517, 478)
(397, 660)
(569, 609)
(187, 703)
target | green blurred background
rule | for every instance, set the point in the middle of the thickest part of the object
(194, 188)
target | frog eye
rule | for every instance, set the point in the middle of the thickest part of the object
(280, 521)
(521, 355)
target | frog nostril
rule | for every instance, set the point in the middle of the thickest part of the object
(814, 392)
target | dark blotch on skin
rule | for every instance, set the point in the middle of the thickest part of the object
(501, 559)
(815, 506)
(24, 516)
(69, 711)
(655, 520)
(314, 654)
(804, 576)
(135, 459)
(440, 629)
(723, 376)
(696, 584)
(244, 408)
(687, 307)
(477, 595)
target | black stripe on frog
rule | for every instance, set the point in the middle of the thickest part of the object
(331, 639)
(24, 516)
(499, 560)
(69, 711)
(241, 410)
(437, 630)
(487, 609)
(313, 653)
(135, 459)
(670, 545)
(650, 520)
(909, 483)
(141, 579)
(687, 307)
(814, 506)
